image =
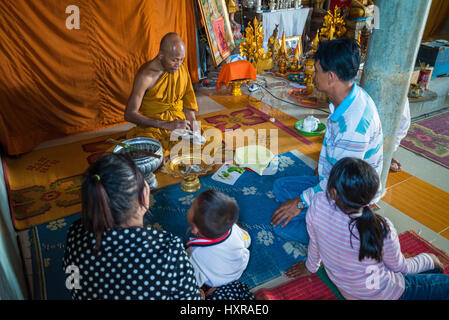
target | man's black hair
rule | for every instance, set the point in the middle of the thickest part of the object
(342, 56)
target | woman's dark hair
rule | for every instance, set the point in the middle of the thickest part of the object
(341, 56)
(356, 183)
(215, 213)
(111, 190)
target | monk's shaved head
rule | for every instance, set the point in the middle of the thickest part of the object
(171, 42)
(171, 52)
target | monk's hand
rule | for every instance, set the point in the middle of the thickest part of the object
(288, 210)
(297, 270)
(177, 124)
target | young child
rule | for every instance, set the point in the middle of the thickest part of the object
(220, 253)
(359, 249)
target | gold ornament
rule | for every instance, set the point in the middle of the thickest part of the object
(282, 59)
(362, 8)
(333, 25)
(251, 48)
(235, 85)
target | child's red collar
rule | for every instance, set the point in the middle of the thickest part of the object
(204, 242)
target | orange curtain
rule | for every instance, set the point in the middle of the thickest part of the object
(438, 15)
(58, 81)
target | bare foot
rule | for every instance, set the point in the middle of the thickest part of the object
(297, 270)
(395, 166)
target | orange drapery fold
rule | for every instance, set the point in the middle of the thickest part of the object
(237, 70)
(438, 15)
(58, 81)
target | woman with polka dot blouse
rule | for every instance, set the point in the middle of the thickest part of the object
(116, 256)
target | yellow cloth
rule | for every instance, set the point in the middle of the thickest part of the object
(232, 6)
(165, 101)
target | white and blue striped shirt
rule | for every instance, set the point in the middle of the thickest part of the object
(353, 130)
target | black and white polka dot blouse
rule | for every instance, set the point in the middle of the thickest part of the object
(133, 264)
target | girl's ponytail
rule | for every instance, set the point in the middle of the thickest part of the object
(354, 183)
(372, 230)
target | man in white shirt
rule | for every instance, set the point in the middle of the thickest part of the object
(353, 130)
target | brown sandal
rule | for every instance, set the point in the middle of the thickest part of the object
(395, 165)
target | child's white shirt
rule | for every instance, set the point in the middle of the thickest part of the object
(221, 262)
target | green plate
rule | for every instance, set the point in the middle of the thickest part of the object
(317, 132)
(297, 77)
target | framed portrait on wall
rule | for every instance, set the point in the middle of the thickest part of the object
(214, 14)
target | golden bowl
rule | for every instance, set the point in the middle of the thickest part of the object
(189, 168)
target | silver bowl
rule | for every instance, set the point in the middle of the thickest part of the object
(146, 164)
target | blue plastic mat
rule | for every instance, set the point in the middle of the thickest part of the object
(270, 255)
(47, 251)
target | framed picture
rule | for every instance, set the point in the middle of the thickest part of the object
(218, 28)
(291, 43)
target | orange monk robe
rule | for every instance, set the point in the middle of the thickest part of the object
(165, 101)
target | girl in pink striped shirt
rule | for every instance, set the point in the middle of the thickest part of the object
(359, 249)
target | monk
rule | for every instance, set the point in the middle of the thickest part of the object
(162, 98)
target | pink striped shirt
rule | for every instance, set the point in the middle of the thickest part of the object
(367, 279)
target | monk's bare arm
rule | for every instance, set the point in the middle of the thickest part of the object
(190, 104)
(145, 79)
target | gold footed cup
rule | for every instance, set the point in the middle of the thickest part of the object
(190, 184)
(184, 167)
(236, 90)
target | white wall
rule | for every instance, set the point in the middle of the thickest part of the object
(12, 280)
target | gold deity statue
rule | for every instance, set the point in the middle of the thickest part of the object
(333, 25)
(251, 47)
(282, 59)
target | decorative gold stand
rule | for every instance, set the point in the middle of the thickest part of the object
(309, 70)
(236, 90)
(190, 184)
(178, 167)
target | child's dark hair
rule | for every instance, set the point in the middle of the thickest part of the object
(215, 213)
(356, 183)
(111, 190)
(341, 56)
